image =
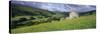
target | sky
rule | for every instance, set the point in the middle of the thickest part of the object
(84, 2)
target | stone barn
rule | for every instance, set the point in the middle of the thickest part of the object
(73, 14)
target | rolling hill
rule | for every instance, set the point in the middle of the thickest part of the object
(31, 19)
(84, 22)
(24, 14)
(21, 10)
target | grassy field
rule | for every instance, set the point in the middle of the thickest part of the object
(83, 22)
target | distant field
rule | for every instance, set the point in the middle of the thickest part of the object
(84, 22)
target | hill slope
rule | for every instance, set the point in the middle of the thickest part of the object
(23, 14)
(28, 19)
(21, 10)
(84, 22)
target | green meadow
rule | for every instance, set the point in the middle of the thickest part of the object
(83, 22)
(25, 19)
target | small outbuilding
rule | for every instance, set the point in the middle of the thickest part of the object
(73, 14)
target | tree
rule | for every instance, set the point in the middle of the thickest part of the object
(32, 18)
(22, 19)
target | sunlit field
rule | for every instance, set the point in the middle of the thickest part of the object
(41, 17)
(84, 22)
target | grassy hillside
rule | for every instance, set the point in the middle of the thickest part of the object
(30, 19)
(84, 22)
(21, 10)
(21, 15)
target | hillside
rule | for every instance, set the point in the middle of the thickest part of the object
(57, 6)
(84, 22)
(26, 18)
(21, 10)
(24, 14)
